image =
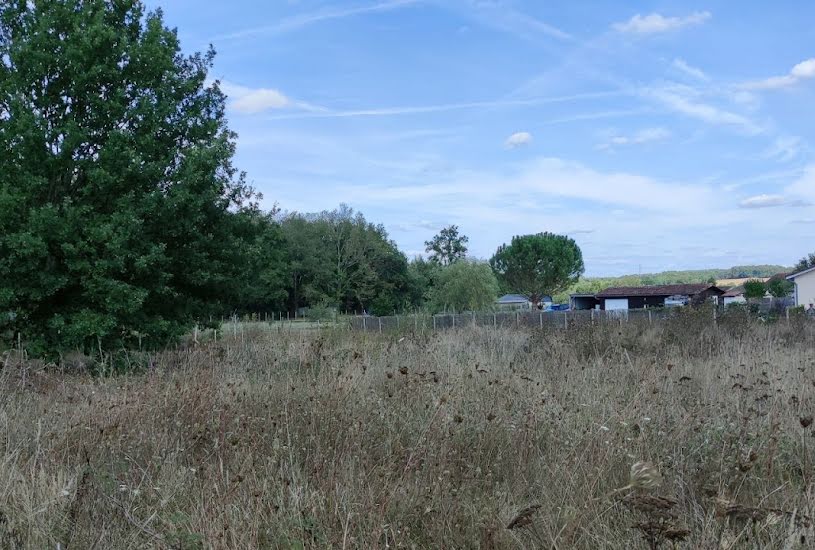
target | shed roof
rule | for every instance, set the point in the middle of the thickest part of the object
(660, 290)
(734, 292)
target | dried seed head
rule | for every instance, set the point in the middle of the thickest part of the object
(644, 475)
(806, 421)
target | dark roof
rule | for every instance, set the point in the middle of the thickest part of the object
(778, 277)
(734, 292)
(661, 290)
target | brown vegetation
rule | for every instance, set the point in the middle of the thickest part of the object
(480, 437)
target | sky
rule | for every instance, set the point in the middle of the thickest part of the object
(659, 135)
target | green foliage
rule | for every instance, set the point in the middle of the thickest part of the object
(447, 247)
(338, 259)
(263, 284)
(120, 210)
(465, 286)
(539, 264)
(424, 274)
(805, 263)
(780, 288)
(754, 289)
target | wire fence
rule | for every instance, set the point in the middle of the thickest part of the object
(528, 319)
(545, 320)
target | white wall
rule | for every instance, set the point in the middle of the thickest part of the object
(734, 300)
(805, 289)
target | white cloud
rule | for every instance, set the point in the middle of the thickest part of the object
(771, 201)
(684, 100)
(689, 70)
(784, 149)
(257, 100)
(518, 138)
(656, 23)
(802, 71)
(643, 136)
(550, 177)
(260, 100)
(804, 186)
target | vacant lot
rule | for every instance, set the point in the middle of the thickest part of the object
(337, 439)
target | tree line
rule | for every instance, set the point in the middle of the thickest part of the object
(123, 220)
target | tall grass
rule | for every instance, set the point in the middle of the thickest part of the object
(348, 440)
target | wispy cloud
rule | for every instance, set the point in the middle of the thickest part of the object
(299, 21)
(771, 201)
(553, 177)
(686, 101)
(517, 139)
(784, 149)
(689, 70)
(804, 186)
(655, 23)
(502, 16)
(646, 135)
(802, 71)
(444, 107)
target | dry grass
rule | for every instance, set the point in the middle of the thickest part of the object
(348, 440)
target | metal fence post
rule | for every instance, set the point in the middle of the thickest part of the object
(540, 318)
(434, 322)
(494, 320)
(380, 325)
(454, 320)
(364, 324)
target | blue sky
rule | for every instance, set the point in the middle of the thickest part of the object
(660, 135)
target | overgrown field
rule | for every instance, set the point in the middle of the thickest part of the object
(335, 439)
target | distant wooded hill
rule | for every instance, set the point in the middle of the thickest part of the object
(591, 285)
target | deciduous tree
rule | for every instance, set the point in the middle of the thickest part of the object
(121, 213)
(465, 286)
(755, 289)
(448, 246)
(806, 263)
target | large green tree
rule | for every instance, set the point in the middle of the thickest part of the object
(534, 265)
(448, 246)
(120, 210)
(340, 260)
(464, 286)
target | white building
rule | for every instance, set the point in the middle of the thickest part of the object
(804, 287)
